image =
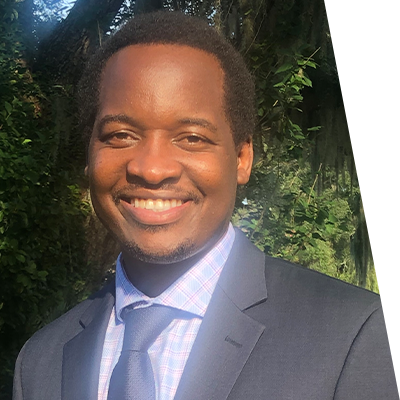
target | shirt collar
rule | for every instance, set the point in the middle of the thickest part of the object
(191, 292)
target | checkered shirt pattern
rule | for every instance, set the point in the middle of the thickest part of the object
(190, 294)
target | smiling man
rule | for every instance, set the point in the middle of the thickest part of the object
(196, 312)
(163, 165)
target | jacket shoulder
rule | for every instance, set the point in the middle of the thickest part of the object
(321, 308)
(65, 326)
(39, 363)
(323, 338)
(305, 285)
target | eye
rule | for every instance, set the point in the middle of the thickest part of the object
(193, 142)
(120, 139)
(193, 139)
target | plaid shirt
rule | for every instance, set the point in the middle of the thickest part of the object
(191, 293)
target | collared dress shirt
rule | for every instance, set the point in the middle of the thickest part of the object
(190, 294)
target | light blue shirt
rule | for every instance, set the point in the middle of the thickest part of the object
(190, 294)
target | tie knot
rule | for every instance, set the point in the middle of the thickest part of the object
(143, 325)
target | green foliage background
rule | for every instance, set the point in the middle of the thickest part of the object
(302, 203)
(43, 269)
(308, 215)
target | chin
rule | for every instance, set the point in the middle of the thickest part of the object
(156, 256)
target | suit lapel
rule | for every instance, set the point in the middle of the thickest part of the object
(227, 335)
(82, 354)
(224, 342)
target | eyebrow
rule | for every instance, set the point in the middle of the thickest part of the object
(199, 122)
(118, 118)
(131, 121)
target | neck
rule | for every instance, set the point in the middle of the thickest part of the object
(153, 279)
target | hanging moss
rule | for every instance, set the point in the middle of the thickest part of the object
(362, 139)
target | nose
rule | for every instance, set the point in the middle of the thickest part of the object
(154, 162)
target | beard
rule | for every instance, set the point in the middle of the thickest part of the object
(181, 252)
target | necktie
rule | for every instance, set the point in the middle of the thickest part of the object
(133, 378)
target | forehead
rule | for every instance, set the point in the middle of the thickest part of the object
(163, 82)
(149, 62)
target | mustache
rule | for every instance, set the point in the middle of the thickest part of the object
(128, 191)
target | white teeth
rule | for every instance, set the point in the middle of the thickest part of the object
(156, 205)
(149, 205)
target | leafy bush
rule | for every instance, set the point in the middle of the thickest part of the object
(42, 262)
(288, 209)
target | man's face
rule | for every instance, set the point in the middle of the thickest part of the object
(163, 167)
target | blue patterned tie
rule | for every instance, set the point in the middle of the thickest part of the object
(133, 378)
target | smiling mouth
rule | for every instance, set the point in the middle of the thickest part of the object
(157, 205)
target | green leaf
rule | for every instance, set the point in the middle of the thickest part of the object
(24, 280)
(283, 68)
(332, 218)
(295, 127)
(42, 275)
(314, 128)
(298, 97)
(307, 81)
(20, 257)
(8, 107)
(329, 228)
(317, 235)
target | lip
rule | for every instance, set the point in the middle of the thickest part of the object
(150, 217)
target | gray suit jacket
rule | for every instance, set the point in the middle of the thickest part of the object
(273, 331)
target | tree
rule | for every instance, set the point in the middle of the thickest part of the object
(42, 263)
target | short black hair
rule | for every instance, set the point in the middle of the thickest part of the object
(164, 27)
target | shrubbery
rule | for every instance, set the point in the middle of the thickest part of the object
(42, 263)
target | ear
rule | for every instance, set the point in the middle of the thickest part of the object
(244, 161)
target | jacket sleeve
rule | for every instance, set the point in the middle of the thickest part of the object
(368, 372)
(17, 387)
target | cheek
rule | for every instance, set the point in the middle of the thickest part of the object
(216, 175)
(104, 171)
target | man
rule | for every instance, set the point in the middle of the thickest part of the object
(169, 107)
